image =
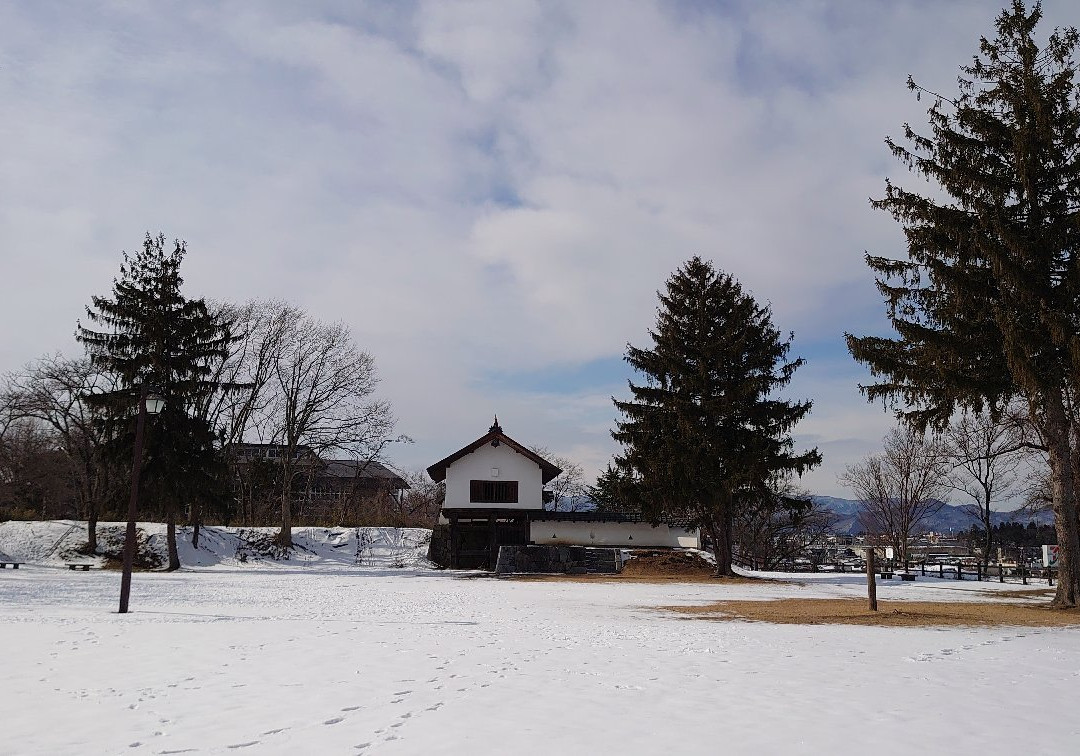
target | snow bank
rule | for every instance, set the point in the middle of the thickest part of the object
(58, 542)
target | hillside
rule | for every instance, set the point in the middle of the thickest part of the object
(949, 519)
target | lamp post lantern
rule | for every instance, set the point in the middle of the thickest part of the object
(150, 404)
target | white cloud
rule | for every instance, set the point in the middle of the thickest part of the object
(471, 186)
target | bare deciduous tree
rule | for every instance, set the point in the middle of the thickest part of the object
(318, 400)
(421, 501)
(568, 488)
(259, 327)
(53, 391)
(986, 455)
(899, 488)
(774, 530)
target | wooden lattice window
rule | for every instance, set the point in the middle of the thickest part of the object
(493, 491)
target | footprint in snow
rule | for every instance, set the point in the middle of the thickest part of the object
(244, 745)
(350, 708)
(334, 721)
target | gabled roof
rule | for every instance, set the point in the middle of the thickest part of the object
(354, 469)
(494, 436)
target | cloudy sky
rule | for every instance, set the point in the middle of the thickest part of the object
(488, 193)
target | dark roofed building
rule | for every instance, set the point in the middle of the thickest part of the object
(325, 487)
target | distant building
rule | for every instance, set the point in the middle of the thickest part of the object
(495, 497)
(324, 481)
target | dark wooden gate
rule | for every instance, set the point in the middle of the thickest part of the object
(475, 542)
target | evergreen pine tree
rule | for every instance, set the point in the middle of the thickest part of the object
(702, 437)
(613, 491)
(986, 304)
(154, 339)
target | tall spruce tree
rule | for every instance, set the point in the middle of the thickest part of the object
(986, 303)
(153, 338)
(704, 436)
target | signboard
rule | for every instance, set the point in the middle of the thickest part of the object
(1050, 556)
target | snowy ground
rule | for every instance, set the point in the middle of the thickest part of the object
(328, 658)
(56, 543)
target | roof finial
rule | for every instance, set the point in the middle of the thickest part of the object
(495, 427)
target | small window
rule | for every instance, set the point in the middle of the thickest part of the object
(493, 491)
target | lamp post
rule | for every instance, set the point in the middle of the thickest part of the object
(149, 404)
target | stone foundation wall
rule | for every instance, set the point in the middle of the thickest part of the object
(567, 560)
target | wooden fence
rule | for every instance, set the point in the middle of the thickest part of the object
(1000, 573)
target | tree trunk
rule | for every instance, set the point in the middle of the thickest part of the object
(1056, 432)
(170, 531)
(193, 521)
(1074, 467)
(871, 580)
(91, 530)
(720, 532)
(988, 535)
(284, 536)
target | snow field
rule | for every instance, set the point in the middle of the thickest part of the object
(331, 659)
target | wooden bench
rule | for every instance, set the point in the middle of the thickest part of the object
(79, 566)
(14, 565)
(907, 576)
(885, 575)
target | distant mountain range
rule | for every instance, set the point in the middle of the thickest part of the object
(949, 519)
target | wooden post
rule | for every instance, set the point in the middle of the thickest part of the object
(133, 503)
(871, 580)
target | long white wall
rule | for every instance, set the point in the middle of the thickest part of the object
(479, 466)
(628, 535)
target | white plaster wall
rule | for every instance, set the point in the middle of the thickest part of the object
(628, 535)
(511, 465)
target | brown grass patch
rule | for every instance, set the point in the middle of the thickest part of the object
(889, 614)
(648, 579)
(660, 566)
(1037, 593)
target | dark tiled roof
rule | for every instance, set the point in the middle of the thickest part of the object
(438, 470)
(594, 516)
(351, 468)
